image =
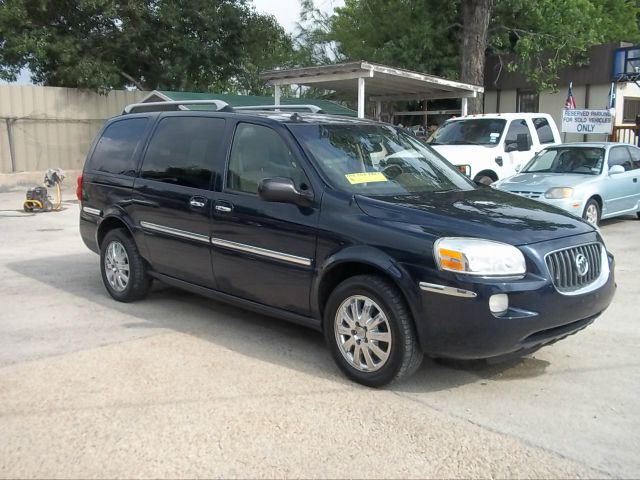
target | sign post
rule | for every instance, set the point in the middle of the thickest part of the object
(587, 121)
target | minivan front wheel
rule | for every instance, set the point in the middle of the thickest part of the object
(369, 330)
(123, 270)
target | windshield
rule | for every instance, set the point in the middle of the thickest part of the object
(378, 160)
(586, 161)
(473, 131)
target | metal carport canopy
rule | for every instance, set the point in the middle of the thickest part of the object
(380, 82)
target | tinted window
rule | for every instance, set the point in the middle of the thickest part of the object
(181, 151)
(115, 149)
(516, 128)
(257, 153)
(620, 156)
(635, 157)
(545, 134)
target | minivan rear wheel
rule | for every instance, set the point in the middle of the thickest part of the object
(370, 333)
(124, 272)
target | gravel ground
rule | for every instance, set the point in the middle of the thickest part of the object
(181, 386)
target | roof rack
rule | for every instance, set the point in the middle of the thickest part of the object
(160, 106)
(308, 107)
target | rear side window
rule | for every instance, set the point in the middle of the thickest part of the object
(543, 129)
(115, 149)
(635, 157)
(620, 156)
(181, 151)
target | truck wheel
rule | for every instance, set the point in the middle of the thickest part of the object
(484, 179)
(124, 272)
(370, 333)
(592, 212)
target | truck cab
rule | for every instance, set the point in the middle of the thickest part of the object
(489, 147)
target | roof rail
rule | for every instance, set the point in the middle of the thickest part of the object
(309, 107)
(159, 106)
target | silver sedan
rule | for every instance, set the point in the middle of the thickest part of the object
(591, 180)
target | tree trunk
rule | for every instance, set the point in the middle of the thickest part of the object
(475, 15)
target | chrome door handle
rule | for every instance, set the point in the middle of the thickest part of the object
(223, 208)
(196, 203)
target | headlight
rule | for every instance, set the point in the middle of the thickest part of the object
(561, 192)
(475, 256)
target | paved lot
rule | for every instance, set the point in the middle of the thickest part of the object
(178, 385)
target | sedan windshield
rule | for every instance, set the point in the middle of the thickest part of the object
(474, 131)
(378, 160)
(582, 160)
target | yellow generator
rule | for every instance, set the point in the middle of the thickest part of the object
(38, 198)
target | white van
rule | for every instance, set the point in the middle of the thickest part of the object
(489, 147)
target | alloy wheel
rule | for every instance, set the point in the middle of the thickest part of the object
(363, 333)
(116, 266)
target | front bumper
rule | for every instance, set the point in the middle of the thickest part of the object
(462, 325)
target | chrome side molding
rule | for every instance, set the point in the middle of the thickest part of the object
(174, 231)
(92, 211)
(456, 292)
(263, 252)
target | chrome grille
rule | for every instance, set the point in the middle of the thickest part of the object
(564, 270)
(528, 194)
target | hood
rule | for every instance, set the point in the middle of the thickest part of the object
(466, 154)
(482, 213)
(541, 182)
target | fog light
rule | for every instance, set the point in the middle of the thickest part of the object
(499, 303)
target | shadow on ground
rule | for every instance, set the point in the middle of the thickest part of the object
(248, 333)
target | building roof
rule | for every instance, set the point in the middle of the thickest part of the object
(382, 82)
(328, 106)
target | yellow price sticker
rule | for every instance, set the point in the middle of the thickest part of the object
(365, 177)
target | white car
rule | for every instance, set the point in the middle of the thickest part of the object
(489, 147)
(590, 180)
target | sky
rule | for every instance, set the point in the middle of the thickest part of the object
(287, 12)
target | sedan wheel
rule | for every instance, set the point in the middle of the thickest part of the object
(592, 213)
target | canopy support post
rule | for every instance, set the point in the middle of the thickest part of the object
(361, 97)
(463, 109)
(276, 95)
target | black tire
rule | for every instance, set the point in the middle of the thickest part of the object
(638, 214)
(590, 209)
(139, 282)
(404, 354)
(484, 179)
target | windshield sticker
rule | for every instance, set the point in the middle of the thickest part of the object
(365, 177)
(493, 137)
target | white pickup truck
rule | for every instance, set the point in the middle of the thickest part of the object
(489, 147)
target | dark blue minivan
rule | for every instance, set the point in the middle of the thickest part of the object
(351, 227)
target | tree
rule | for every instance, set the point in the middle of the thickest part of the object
(534, 37)
(476, 15)
(103, 44)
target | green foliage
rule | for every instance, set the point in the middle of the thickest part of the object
(534, 37)
(215, 45)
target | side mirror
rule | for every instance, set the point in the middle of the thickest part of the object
(282, 190)
(518, 167)
(522, 140)
(616, 169)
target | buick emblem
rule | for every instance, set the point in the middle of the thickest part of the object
(582, 264)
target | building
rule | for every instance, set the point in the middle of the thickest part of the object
(613, 63)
